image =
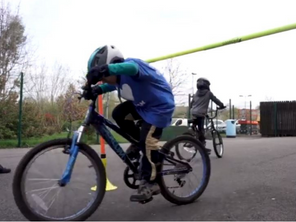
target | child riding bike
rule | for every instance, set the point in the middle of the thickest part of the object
(149, 98)
(199, 106)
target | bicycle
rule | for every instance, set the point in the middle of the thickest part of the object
(194, 132)
(42, 201)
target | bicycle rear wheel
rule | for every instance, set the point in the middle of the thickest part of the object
(218, 144)
(200, 163)
(52, 202)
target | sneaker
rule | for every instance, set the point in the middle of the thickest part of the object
(145, 192)
(4, 170)
(133, 152)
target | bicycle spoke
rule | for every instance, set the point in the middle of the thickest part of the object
(42, 189)
(50, 190)
(53, 199)
(37, 179)
(41, 181)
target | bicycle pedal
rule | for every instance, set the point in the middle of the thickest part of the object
(146, 201)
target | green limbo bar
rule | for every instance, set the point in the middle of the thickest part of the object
(228, 42)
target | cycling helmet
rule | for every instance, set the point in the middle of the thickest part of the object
(203, 83)
(104, 55)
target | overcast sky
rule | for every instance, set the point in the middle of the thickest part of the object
(68, 31)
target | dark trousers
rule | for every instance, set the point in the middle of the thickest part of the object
(148, 136)
(200, 121)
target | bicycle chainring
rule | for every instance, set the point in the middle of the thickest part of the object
(130, 179)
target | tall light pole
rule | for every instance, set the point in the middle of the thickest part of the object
(245, 96)
(193, 74)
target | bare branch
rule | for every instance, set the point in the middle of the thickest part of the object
(35, 84)
(60, 79)
(175, 76)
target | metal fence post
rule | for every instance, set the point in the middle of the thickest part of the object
(20, 112)
(233, 112)
(229, 108)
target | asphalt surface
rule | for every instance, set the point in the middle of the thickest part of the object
(255, 180)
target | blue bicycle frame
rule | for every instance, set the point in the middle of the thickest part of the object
(100, 123)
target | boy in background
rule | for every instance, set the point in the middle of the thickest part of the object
(199, 106)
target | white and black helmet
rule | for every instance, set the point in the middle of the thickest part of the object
(104, 55)
(203, 83)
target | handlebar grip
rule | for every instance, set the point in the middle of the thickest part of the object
(97, 90)
(220, 108)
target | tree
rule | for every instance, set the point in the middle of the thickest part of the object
(8, 116)
(13, 59)
(70, 107)
(32, 120)
(13, 51)
(224, 114)
(35, 84)
(43, 83)
(59, 80)
(110, 101)
(175, 75)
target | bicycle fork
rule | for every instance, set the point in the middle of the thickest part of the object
(72, 157)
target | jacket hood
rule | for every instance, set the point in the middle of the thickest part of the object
(202, 92)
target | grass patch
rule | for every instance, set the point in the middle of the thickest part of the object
(89, 139)
(30, 142)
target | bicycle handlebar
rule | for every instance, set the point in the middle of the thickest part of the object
(216, 113)
(80, 96)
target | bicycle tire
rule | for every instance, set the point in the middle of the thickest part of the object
(17, 180)
(218, 154)
(206, 160)
(188, 133)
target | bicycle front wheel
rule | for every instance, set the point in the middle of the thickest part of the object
(180, 187)
(187, 151)
(38, 194)
(218, 144)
